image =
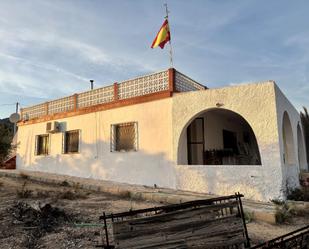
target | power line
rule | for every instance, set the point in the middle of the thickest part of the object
(7, 104)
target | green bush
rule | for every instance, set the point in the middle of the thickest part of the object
(6, 136)
(284, 212)
(249, 216)
(298, 194)
(65, 183)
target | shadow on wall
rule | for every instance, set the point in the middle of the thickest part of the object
(255, 181)
(292, 155)
(97, 161)
(288, 140)
(301, 149)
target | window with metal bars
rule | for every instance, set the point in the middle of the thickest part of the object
(42, 144)
(124, 137)
(71, 142)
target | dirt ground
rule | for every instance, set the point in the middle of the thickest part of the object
(74, 222)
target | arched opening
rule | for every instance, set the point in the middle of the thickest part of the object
(218, 137)
(301, 149)
(288, 141)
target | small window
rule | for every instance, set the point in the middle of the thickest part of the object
(71, 142)
(124, 137)
(42, 144)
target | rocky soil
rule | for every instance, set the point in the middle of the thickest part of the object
(36, 215)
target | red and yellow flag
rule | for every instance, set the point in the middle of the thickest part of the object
(163, 36)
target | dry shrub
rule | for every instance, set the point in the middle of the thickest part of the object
(37, 221)
(284, 213)
(23, 192)
(249, 216)
(125, 194)
(43, 194)
(70, 195)
(76, 186)
(23, 175)
(64, 183)
(298, 194)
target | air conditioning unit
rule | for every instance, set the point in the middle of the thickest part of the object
(52, 127)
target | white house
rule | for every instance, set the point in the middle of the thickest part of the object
(167, 129)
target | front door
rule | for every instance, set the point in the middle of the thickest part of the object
(195, 138)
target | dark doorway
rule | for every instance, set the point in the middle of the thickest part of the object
(195, 133)
(230, 141)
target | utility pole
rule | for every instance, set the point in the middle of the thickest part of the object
(16, 111)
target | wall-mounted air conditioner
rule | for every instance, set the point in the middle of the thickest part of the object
(52, 127)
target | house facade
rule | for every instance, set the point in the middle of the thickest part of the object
(169, 130)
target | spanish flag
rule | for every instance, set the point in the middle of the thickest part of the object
(163, 36)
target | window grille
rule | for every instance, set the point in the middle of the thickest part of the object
(124, 137)
(42, 145)
(71, 142)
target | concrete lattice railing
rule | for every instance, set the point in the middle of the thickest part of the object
(140, 86)
(185, 84)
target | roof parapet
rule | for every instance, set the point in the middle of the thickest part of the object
(167, 80)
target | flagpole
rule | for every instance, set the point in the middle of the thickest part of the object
(171, 49)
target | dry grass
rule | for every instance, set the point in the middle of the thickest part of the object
(284, 213)
(43, 194)
(70, 195)
(64, 183)
(23, 176)
(72, 192)
(23, 192)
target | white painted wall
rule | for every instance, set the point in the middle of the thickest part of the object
(151, 164)
(160, 126)
(290, 171)
(254, 102)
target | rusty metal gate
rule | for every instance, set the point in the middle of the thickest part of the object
(211, 223)
(298, 239)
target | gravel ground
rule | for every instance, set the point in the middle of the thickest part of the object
(21, 200)
(83, 207)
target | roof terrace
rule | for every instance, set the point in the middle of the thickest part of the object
(164, 82)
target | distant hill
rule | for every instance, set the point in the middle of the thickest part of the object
(5, 120)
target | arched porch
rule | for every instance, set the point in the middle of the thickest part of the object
(218, 137)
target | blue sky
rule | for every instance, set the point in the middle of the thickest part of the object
(50, 49)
